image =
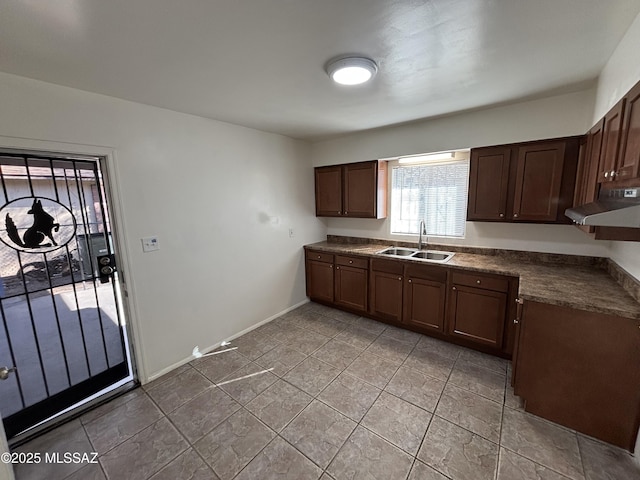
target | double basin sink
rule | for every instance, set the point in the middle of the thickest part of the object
(413, 253)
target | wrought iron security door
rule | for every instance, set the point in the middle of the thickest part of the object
(61, 327)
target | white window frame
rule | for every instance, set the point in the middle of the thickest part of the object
(414, 230)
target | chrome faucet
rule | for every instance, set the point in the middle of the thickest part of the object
(423, 231)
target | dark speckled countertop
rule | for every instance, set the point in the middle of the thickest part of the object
(584, 287)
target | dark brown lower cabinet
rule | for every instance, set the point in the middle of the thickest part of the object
(425, 294)
(471, 309)
(478, 315)
(319, 276)
(581, 370)
(386, 289)
(351, 275)
(478, 308)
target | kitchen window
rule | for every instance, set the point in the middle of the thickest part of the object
(434, 192)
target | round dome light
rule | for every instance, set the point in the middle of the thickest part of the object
(352, 70)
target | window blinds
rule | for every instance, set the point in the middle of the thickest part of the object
(433, 192)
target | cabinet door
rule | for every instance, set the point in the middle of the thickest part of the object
(386, 295)
(424, 303)
(351, 287)
(611, 143)
(320, 280)
(538, 182)
(587, 186)
(328, 191)
(361, 189)
(629, 164)
(582, 370)
(488, 183)
(478, 315)
(595, 135)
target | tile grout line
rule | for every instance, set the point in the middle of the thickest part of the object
(166, 416)
(358, 423)
(350, 324)
(277, 434)
(504, 403)
(431, 420)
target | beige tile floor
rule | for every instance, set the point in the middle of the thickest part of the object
(319, 393)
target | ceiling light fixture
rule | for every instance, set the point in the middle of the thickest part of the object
(352, 70)
(427, 158)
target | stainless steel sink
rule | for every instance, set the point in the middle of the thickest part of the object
(423, 255)
(433, 256)
(398, 251)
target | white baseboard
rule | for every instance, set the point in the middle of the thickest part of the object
(216, 345)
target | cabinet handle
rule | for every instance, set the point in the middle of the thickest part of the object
(606, 174)
(613, 173)
(478, 282)
(337, 268)
(350, 261)
(339, 212)
(520, 301)
(502, 215)
(346, 213)
(319, 256)
(410, 281)
(515, 215)
(516, 321)
(454, 288)
(400, 278)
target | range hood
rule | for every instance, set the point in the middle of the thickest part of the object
(614, 208)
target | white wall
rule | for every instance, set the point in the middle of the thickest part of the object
(558, 116)
(220, 197)
(620, 74)
(562, 115)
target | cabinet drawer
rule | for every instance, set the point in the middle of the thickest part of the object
(387, 266)
(352, 261)
(319, 256)
(488, 282)
(427, 272)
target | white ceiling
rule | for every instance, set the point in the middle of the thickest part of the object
(260, 63)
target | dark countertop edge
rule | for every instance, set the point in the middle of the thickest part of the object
(372, 248)
(514, 255)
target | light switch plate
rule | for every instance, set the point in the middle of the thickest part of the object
(150, 244)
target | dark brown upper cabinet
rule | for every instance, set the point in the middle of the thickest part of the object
(611, 143)
(610, 158)
(352, 190)
(628, 167)
(488, 183)
(328, 191)
(529, 182)
(538, 182)
(587, 183)
(620, 155)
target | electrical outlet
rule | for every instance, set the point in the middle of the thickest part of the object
(631, 193)
(150, 244)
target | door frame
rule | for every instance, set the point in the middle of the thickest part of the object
(6, 468)
(108, 164)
